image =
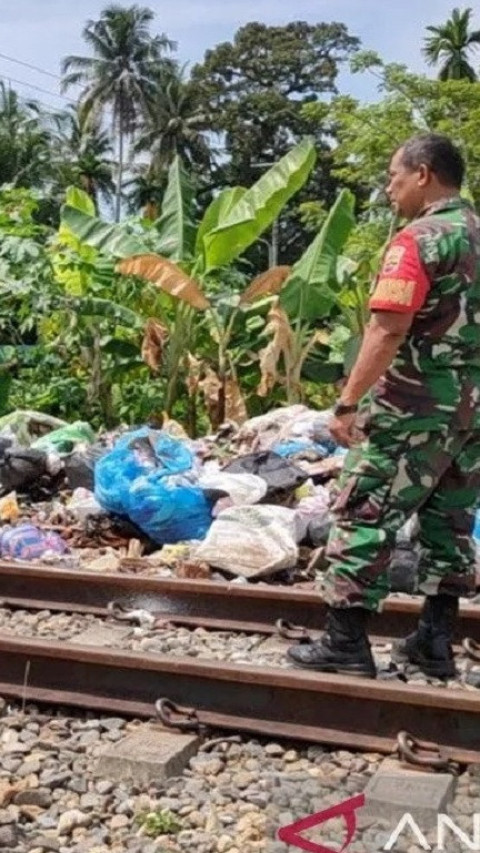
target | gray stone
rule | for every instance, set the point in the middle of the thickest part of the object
(47, 843)
(393, 790)
(53, 779)
(102, 635)
(150, 754)
(46, 821)
(34, 797)
(112, 724)
(72, 818)
(104, 786)
(8, 836)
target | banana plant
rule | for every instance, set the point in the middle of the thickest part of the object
(312, 290)
(185, 262)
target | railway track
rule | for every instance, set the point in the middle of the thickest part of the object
(336, 710)
(206, 604)
(197, 693)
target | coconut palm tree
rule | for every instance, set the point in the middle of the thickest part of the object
(145, 192)
(451, 44)
(175, 124)
(83, 155)
(122, 74)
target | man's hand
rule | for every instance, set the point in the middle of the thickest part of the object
(342, 429)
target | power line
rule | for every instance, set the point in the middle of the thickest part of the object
(39, 89)
(29, 65)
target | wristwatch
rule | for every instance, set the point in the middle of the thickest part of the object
(345, 409)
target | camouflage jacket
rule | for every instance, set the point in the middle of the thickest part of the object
(433, 267)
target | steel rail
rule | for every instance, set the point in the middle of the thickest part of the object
(209, 604)
(341, 710)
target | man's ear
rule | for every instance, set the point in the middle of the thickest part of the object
(424, 175)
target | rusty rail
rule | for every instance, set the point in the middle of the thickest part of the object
(209, 604)
(337, 710)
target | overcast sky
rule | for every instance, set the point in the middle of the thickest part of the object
(41, 32)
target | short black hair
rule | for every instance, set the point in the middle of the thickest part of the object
(438, 153)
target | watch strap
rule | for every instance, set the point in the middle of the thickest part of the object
(344, 408)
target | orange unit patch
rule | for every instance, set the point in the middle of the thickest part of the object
(396, 291)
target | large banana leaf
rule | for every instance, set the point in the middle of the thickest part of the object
(309, 292)
(259, 206)
(175, 226)
(105, 308)
(217, 212)
(110, 239)
(265, 284)
(167, 276)
(80, 200)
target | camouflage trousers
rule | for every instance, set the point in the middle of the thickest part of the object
(384, 481)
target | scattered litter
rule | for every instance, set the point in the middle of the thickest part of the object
(251, 541)
(27, 542)
(9, 508)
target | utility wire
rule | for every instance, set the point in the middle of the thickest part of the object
(39, 89)
(29, 65)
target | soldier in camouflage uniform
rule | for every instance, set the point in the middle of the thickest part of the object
(421, 355)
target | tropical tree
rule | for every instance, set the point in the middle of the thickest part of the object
(123, 73)
(450, 44)
(253, 89)
(145, 192)
(24, 141)
(83, 153)
(175, 124)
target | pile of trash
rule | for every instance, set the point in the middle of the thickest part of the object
(249, 502)
(243, 500)
(246, 516)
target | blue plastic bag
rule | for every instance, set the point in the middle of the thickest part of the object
(150, 478)
(169, 511)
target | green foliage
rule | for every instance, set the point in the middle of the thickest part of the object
(368, 134)
(253, 89)
(175, 227)
(259, 206)
(309, 293)
(159, 822)
(116, 240)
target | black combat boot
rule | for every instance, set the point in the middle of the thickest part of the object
(344, 647)
(430, 646)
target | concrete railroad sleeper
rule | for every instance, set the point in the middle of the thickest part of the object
(195, 694)
(208, 604)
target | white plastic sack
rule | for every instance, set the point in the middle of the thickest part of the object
(312, 508)
(243, 489)
(251, 541)
(83, 504)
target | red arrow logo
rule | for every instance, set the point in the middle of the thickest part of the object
(291, 833)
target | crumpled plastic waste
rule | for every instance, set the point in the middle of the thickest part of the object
(9, 508)
(79, 466)
(301, 449)
(152, 479)
(82, 504)
(241, 489)
(20, 467)
(313, 515)
(25, 426)
(289, 424)
(66, 439)
(27, 542)
(280, 475)
(251, 541)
